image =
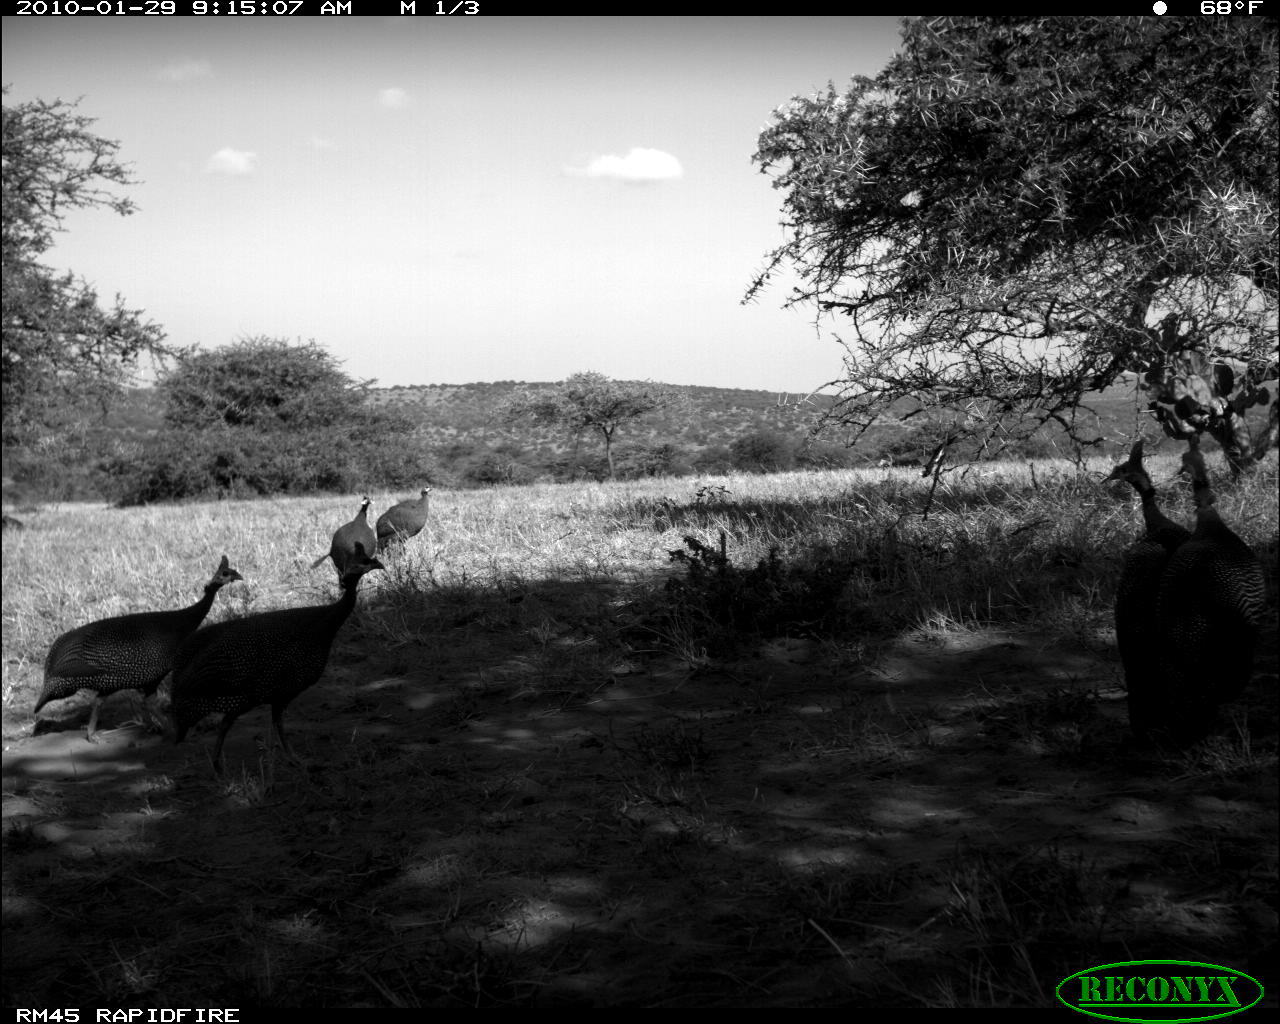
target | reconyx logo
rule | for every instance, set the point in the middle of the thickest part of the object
(1164, 990)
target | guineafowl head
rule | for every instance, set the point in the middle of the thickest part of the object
(225, 574)
(359, 564)
(1131, 467)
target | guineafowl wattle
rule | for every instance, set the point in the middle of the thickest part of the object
(267, 658)
(1137, 626)
(1210, 609)
(400, 522)
(346, 537)
(126, 652)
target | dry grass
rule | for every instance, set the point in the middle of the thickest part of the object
(834, 752)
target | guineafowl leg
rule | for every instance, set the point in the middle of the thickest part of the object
(91, 730)
(277, 719)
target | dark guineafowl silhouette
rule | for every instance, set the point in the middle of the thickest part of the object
(1210, 608)
(347, 536)
(400, 522)
(268, 658)
(1137, 625)
(126, 652)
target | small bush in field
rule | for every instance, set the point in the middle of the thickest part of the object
(763, 451)
(664, 459)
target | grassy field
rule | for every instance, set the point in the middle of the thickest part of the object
(853, 743)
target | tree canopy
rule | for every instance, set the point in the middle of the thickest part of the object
(591, 402)
(61, 347)
(265, 383)
(264, 416)
(1017, 212)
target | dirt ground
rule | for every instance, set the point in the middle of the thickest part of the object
(492, 818)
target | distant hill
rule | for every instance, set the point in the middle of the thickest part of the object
(702, 426)
(702, 420)
(444, 415)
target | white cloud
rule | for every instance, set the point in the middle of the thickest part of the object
(319, 143)
(393, 99)
(185, 70)
(232, 161)
(638, 165)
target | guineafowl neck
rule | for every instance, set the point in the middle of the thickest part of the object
(200, 609)
(1151, 514)
(1208, 520)
(1204, 496)
(342, 607)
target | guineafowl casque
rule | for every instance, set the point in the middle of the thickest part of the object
(1137, 627)
(267, 658)
(126, 652)
(346, 537)
(400, 522)
(1210, 609)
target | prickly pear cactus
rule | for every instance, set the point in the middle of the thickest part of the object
(1191, 394)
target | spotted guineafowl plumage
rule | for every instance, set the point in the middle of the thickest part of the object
(1137, 627)
(346, 537)
(1210, 608)
(126, 652)
(267, 658)
(400, 522)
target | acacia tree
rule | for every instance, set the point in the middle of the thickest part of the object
(591, 402)
(1017, 212)
(61, 347)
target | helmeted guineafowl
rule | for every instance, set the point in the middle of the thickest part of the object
(126, 652)
(1210, 609)
(347, 536)
(400, 522)
(1137, 627)
(267, 658)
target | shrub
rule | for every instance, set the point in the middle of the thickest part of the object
(243, 462)
(664, 459)
(715, 458)
(763, 451)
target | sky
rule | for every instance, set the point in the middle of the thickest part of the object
(445, 201)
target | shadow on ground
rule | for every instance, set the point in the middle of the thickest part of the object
(522, 796)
